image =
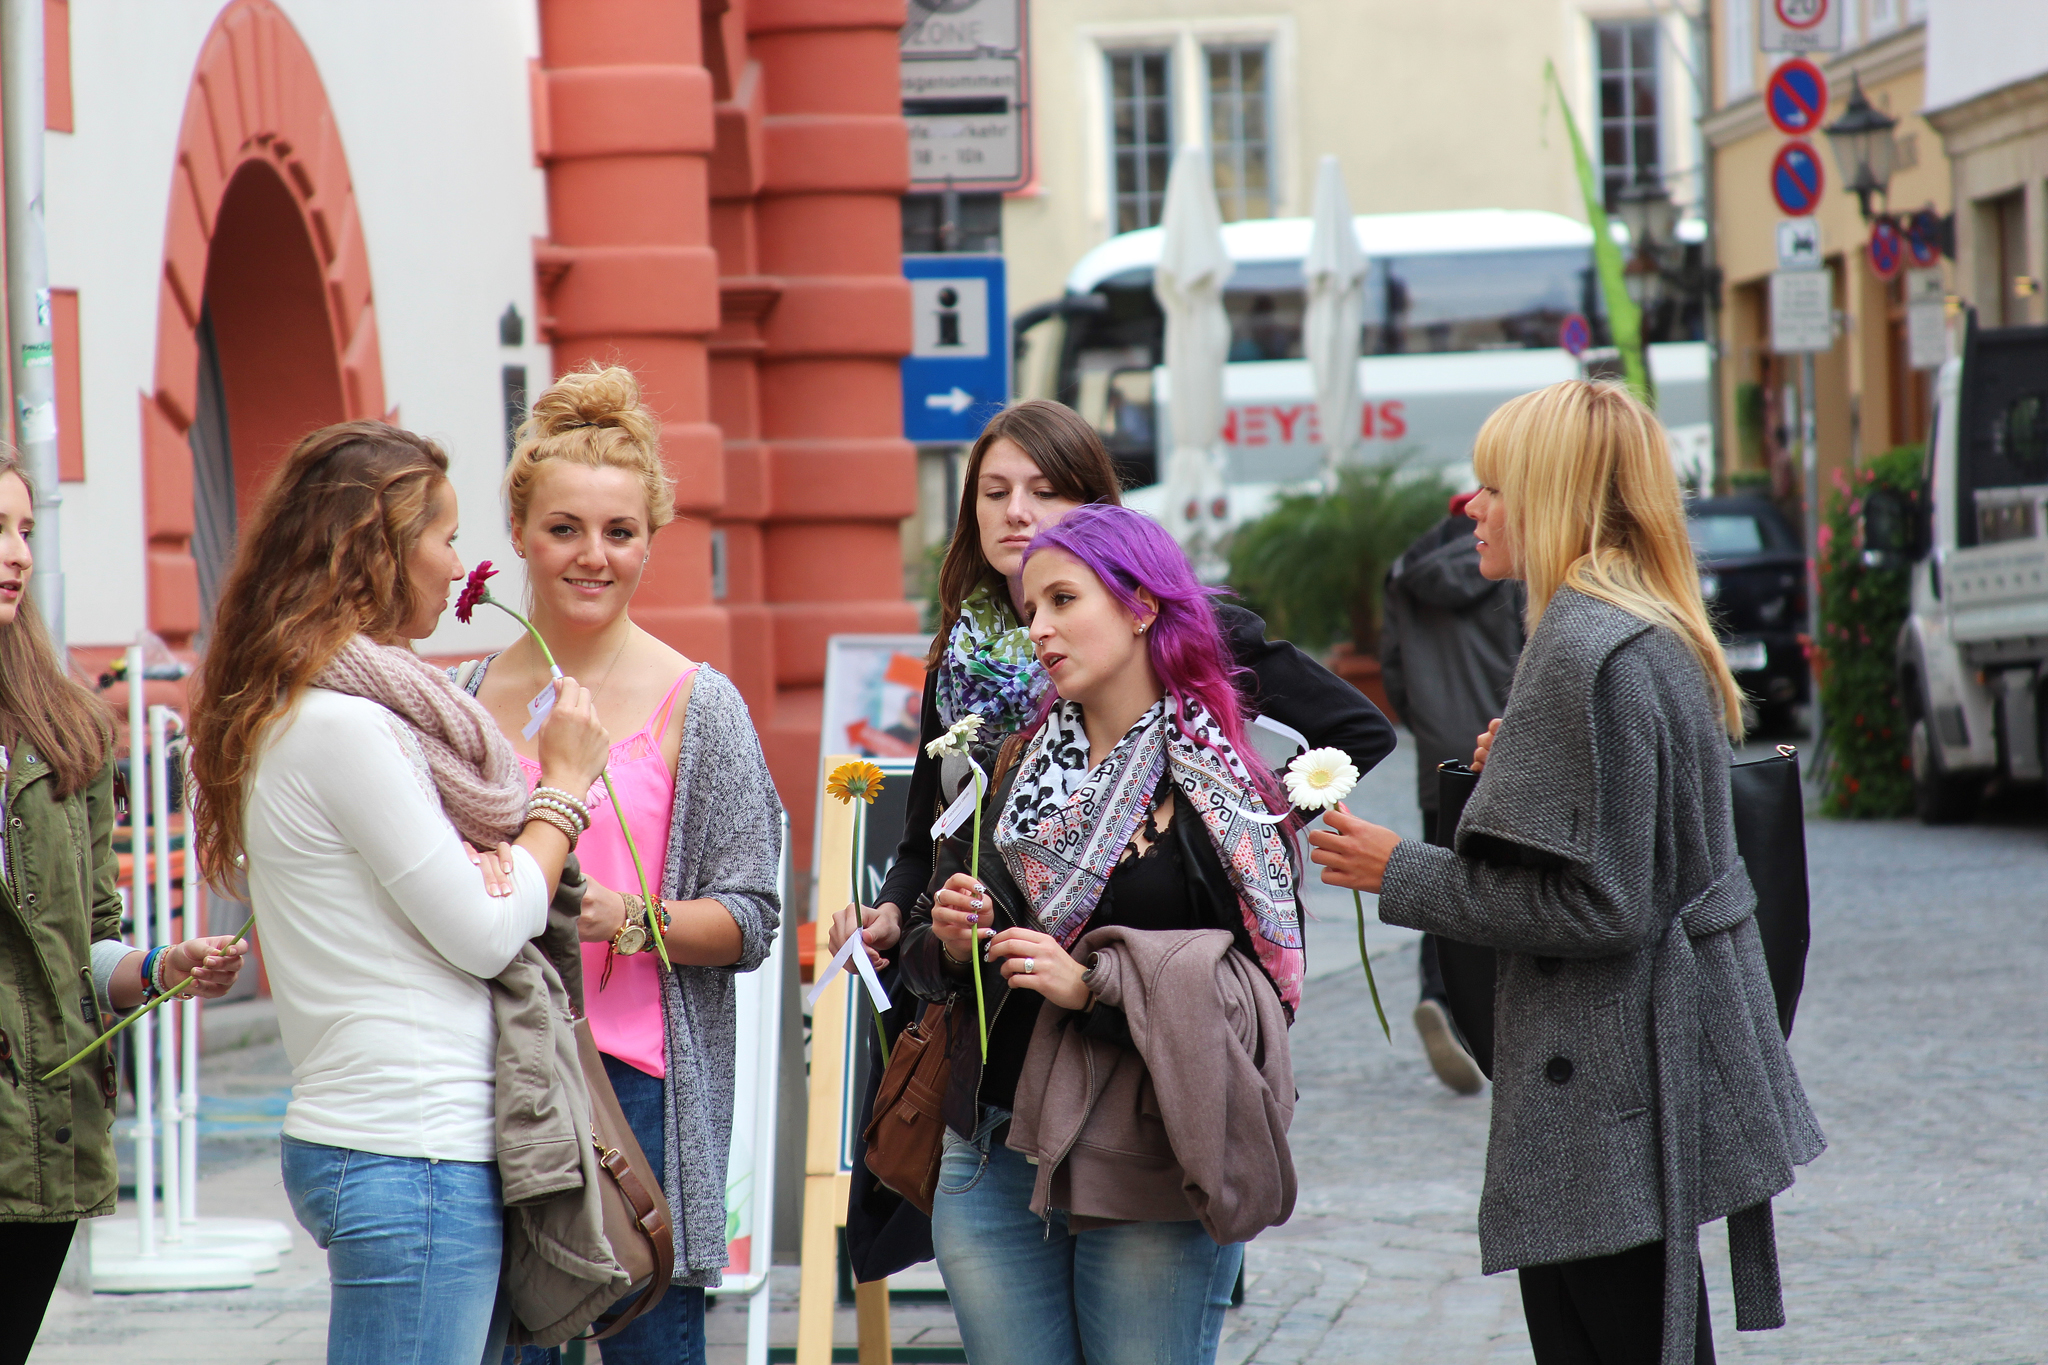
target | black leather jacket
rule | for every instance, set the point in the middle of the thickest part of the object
(927, 973)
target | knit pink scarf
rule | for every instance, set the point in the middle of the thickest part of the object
(472, 763)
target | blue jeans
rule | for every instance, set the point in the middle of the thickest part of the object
(672, 1332)
(412, 1247)
(1027, 1291)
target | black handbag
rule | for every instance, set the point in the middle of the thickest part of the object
(1770, 834)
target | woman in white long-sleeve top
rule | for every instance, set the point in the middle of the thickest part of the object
(355, 783)
(1641, 1084)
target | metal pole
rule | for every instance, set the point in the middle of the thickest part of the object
(1809, 461)
(28, 298)
(138, 909)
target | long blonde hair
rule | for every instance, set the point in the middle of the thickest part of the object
(1586, 479)
(592, 417)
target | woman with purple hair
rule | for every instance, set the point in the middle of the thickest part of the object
(1123, 822)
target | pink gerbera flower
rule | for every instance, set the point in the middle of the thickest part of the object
(474, 593)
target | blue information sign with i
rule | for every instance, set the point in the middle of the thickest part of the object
(957, 374)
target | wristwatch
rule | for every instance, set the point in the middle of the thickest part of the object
(631, 938)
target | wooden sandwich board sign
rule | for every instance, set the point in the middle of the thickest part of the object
(839, 1026)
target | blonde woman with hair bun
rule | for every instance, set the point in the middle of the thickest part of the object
(586, 492)
(1641, 1084)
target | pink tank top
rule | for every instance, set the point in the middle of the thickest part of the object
(625, 1014)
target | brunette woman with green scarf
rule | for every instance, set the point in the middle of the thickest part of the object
(63, 969)
(1035, 462)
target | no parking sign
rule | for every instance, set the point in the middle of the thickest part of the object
(1796, 179)
(1887, 248)
(1796, 97)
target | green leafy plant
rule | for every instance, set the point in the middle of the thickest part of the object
(1863, 602)
(1314, 565)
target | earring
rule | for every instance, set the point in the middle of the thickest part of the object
(1141, 628)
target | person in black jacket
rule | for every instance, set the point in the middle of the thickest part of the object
(1447, 655)
(1033, 463)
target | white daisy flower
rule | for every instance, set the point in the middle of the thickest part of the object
(956, 740)
(1320, 778)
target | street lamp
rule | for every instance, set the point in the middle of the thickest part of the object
(1646, 210)
(1865, 151)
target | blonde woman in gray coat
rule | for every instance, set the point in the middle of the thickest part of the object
(1642, 1087)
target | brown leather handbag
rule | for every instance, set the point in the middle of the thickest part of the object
(636, 1219)
(906, 1134)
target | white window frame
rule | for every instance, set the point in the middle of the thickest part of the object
(1187, 40)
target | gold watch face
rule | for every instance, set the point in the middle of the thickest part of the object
(632, 938)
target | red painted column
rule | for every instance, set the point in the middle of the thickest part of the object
(838, 476)
(623, 125)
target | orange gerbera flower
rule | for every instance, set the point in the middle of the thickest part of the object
(856, 780)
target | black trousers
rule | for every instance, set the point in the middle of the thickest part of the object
(1605, 1310)
(31, 1256)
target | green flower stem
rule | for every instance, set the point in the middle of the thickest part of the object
(855, 983)
(649, 903)
(166, 998)
(1365, 960)
(974, 871)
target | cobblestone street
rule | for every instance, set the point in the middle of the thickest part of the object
(1920, 1236)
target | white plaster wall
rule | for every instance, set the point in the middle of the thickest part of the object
(1975, 46)
(432, 101)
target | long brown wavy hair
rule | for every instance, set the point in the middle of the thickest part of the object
(322, 559)
(1074, 461)
(41, 708)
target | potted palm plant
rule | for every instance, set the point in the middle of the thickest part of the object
(1315, 564)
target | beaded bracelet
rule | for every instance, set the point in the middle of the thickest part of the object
(576, 806)
(150, 989)
(548, 815)
(575, 817)
(157, 976)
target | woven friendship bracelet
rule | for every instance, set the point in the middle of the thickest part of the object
(550, 816)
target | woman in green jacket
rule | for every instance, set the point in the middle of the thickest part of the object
(62, 966)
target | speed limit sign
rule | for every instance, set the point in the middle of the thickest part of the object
(1802, 25)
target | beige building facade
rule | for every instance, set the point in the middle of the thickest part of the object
(1868, 395)
(1425, 107)
(1987, 96)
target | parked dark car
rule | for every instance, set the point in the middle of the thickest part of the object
(1753, 575)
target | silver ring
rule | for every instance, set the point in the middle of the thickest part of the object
(1030, 966)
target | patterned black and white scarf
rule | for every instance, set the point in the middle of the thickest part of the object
(1065, 824)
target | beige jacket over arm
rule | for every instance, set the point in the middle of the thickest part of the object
(1189, 1123)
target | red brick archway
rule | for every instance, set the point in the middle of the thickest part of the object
(262, 176)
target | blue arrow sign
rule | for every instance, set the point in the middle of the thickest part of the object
(1796, 179)
(958, 371)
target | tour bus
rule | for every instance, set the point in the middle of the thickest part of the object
(1463, 310)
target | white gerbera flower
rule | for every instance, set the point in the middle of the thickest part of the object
(1320, 778)
(956, 740)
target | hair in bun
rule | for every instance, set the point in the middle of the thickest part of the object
(592, 417)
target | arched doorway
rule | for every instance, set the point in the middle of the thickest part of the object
(266, 327)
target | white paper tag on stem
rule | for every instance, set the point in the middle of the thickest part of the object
(963, 805)
(537, 709)
(865, 968)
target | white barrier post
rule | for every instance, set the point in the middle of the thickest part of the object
(126, 1257)
(167, 1019)
(188, 1023)
(138, 907)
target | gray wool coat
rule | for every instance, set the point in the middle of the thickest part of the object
(1641, 1084)
(724, 844)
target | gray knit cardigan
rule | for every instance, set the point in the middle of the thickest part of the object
(1641, 1085)
(724, 844)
